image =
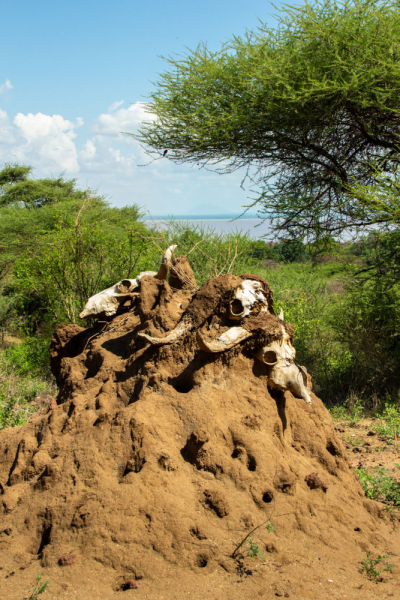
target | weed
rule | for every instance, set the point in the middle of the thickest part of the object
(389, 426)
(369, 565)
(269, 527)
(17, 390)
(39, 587)
(254, 550)
(379, 485)
(353, 441)
(352, 411)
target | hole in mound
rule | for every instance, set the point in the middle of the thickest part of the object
(357, 529)
(332, 449)
(247, 459)
(183, 383)
(196, 532)
(237, 452)
(280, 400)
(195, 442)
(45, 538)
(252, 464)
(267, 497)
(285, 488)
(201, 561)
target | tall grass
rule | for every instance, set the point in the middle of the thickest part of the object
(24, 374)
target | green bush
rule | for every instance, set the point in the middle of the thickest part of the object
(24, 373)
(380, 485)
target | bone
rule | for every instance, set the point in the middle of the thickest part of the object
(284, 374)
(165, 262)
(227, 340)
(172, 337)
(108, 301)
(246, 298)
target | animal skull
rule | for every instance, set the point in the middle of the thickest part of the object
(245, 298)
(284, 374)
(108, 301)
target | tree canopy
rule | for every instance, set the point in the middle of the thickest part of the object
(18, 188)
(311, 109)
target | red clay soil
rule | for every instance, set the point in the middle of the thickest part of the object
(159, 468)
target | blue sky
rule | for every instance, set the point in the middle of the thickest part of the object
(74, 75)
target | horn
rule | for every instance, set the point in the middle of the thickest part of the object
(172, 337)
(163, 270)
(227, 340)
(303, 372)
(280, 314)
(299, 386)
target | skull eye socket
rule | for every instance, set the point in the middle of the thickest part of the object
(237, 307)
(270, 357)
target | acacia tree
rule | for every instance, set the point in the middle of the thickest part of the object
(310, 109)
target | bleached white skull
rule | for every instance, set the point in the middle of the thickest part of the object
(108, 301)
(279, 355)
(246, 298)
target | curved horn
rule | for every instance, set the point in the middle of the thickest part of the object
(172, 337)
(163, 270)
(227, 340)
(280, 314)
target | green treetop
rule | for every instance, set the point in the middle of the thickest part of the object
(311, 109)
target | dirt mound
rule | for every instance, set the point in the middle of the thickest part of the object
(159, 465)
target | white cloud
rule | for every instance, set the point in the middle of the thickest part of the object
(123, 120)
(115, 105)
(5, 87)
(46, 142)
(107, 160)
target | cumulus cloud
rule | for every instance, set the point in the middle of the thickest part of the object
(123, 120)
(46, 142)
(115, 105)
(5, 87)
(104, 158)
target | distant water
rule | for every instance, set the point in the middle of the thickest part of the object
(221, 223)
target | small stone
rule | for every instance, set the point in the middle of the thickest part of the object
(67, 559)
(314, 482)
(130, 585)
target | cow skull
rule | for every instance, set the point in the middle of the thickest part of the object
(108, 301)
(283, 373)
(246, 298)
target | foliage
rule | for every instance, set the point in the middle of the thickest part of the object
(366, 321)
(89, 248)
(269, 527)
(18, 189)
(39, 587)
(370, 563)
(24, 374)
(389, 426)
(311, 108)
(307, 304)
(209, 253)
(254, 550)
(352, 411)
(380, 485)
